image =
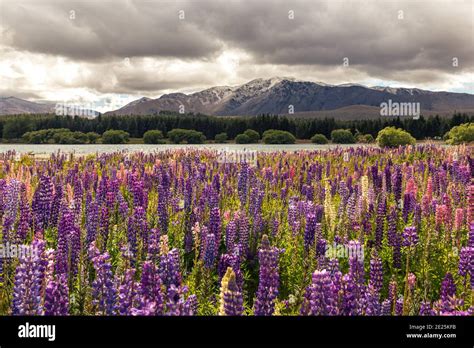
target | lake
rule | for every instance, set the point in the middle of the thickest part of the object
(103, 148)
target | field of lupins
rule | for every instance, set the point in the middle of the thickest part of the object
(358, 231)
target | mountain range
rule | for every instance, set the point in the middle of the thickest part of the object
(278, 95)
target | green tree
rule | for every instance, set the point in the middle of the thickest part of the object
(92, 137)
(221, 138)
(14, 128)
(153, 137)
(253, 136)
(319, 139)
(274, 136)
(342, 136)
(242, 139)
(393, 137)
(463, 133)
(113, 136)
(189, 136)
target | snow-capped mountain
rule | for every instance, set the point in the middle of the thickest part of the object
(275, 95)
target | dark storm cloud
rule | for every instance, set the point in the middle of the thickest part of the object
(411, 41)
(104, 29)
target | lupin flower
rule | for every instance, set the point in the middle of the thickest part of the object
(410, 237)
(127, 293)
(376, 273)
(56, 300)
(169, 268)
(321, 295)
(29, 280)
(269, 279)
(150, 295)
(310, 230)
(231, 301)
(104, 289)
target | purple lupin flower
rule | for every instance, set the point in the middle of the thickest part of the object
(232, 261)
(163, 207)
(244, 233)
(349, 296)
(376, 273)
(56, 298)
(448, 287)
(41, 204)
(231, 235)
(29, 279)
(154, 245)
(372, 304)
(269, 278)
(399, 306)
(215, 225)
(310, 230)
(379, 223)
(397, 178)
(293, 218)
(66, 229)
(56, 203)
(410, 237)
(209, 253)
(104, 290)
(190, 306)
(150, 293)
(356, 262)
(127, 292)
(104, 224)
(12, 201)
(169, 268)
(466, 263)
(232, 300)
(322, 295)
(392, 227)
(92, 219)
(24, 222)
(425, 309)
(386, 308)
(175, 300)
(242, 185)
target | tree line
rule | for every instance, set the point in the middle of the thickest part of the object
(13, 127)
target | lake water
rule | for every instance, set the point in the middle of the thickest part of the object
(103, 148)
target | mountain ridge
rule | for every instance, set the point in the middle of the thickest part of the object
(275, 95)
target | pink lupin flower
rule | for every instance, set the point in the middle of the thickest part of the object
(458, 219)
(441, 214)
(411, 187)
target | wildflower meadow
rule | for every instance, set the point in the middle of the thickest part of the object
(343, 231)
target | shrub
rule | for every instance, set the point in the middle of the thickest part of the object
(113, 136)
(92, 137)
(393, 137)
(70, 138)
(463, 133)
(189, 136)
(242, 139)
(342, 136)
(319, 139)
(365, 138)
(56, 136)
(220, 138)
(254, 137)
(273, 136)
(153, 137)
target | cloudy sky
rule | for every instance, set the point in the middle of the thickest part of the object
(105, 53)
